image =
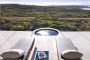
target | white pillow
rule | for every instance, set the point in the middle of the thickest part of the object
(71, 54)
(13, 53)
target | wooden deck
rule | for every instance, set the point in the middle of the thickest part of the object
(81, 40)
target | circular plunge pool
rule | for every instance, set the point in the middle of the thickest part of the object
(46, 32)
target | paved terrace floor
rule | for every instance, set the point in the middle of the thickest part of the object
(81, 40)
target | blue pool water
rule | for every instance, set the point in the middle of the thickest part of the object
(46, 32)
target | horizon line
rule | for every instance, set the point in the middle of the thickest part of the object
(47, 3)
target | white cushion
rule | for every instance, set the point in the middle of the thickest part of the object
(13, 53)
(71, 54)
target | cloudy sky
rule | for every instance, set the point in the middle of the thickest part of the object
(47, 2)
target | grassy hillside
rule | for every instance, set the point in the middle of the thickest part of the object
(16, 10)
(30, 17)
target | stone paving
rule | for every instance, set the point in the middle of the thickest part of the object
(80, 39)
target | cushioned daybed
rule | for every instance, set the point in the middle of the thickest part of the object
(64, 44)
(27, 45)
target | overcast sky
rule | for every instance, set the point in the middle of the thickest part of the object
(47, 2)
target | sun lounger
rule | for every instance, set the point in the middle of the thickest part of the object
(25, 44)
(64, 44)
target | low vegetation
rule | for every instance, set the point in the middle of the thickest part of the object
(27, 17)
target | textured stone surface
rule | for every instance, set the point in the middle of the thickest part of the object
(47, 44)
(81, 41)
